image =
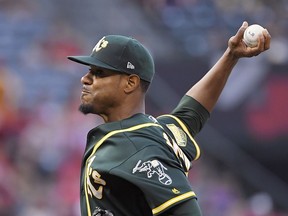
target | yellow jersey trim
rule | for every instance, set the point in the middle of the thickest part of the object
(198, 152)
(172, 201)
(99, 143)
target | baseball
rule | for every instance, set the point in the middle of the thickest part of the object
(251, 35)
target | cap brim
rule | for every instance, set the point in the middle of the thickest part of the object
(88, 60)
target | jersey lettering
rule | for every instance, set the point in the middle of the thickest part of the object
(96, 178)
(179, 153)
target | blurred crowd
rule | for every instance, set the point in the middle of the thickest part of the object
(42, 134)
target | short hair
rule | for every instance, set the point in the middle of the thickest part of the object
(144, 85)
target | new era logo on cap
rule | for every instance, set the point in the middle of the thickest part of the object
(130, 65)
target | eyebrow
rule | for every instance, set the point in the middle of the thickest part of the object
(103, 72)
(95, 69)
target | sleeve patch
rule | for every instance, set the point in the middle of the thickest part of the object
(179, 134)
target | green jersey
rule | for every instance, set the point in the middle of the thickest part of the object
(138, 166)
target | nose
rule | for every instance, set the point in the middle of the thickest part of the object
(86, 79)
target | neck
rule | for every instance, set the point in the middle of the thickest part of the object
(123, 112)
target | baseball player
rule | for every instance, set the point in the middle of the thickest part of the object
(135, 164)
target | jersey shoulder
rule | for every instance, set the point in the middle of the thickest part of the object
(177, 129)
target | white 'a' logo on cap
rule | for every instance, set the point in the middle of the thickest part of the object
(101, 44)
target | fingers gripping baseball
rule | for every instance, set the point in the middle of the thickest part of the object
(238, 47)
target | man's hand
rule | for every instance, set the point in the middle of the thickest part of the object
(207, 90)
(238, 49)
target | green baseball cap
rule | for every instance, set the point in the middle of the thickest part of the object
(122, 54)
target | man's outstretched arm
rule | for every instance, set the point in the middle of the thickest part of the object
(207, 90)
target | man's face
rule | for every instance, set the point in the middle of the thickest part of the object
(101, 92)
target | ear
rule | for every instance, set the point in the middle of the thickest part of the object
(133, 82)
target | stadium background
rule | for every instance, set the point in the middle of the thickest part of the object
(243, 169)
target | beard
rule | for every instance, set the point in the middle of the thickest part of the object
(86, 108)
